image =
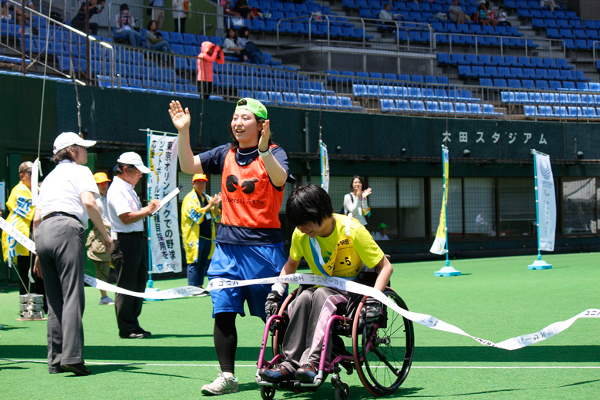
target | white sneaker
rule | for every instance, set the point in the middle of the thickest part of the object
(106, 301)
(221, 385)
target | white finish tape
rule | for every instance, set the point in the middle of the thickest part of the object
(429, 321)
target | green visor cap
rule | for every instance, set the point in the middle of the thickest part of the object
(254, 106)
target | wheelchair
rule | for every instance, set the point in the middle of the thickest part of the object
(382, 350)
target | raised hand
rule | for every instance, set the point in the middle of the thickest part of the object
(181, 118)
(366, 193)
(265, 135)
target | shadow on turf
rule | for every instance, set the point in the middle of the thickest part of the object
(135, 353)
(326, 391)
(98, 369)
(528, 354)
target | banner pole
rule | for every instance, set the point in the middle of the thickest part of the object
(447, 270)
(537, 206)
(150, 281)
(539, 263)
(445, 200)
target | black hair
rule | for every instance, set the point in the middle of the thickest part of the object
(235, 144)
(150, 24)
(308, 203)
(62, 155)
(120, 168)
(123, 7)
(242, 31)
(235, 36)
(362, 181)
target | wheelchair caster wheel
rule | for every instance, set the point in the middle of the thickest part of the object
(342, 391)
(267, 392)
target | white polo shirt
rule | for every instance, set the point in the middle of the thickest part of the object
(62, 188)
(121, 200)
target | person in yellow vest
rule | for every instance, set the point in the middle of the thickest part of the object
(199, 214)
(21, 215)
(332, 245)
(97, 251)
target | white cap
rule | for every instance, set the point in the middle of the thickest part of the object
(67, 139)
(134, 159)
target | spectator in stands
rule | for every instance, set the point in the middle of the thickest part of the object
(502, 17)
(154, 39)
(548, 3)
(210, 52)
(386, 17)
(227, 10)
(230, 46)
(21, 18)
(125, 27)
(456, 14)
(4, 14)
(242, 7)
(158, 12)
(78, 21)
(251, 51)
(484, 16)
(179, 16)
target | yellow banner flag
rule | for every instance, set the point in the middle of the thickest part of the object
(439, 245)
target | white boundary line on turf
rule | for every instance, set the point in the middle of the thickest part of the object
(254, 365)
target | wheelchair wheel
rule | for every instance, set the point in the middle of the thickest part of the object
(383, 358)
(267, 392)
(342, 392)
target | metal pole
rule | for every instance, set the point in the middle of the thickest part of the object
(445, 199)
(150, 281)
(537, 212)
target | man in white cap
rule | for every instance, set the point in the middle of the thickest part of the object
(130, 257)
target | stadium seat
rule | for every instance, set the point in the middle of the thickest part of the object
(387, 105)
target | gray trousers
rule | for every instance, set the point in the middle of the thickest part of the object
(309, 313)
(60, 248)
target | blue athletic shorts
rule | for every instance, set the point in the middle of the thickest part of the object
(233, 261)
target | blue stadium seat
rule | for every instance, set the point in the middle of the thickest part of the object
(290, 99)
(387, 105)
(446, 107)
(359, 90)
(432, 106)
(514, 83)
(554, 85)
(541, 84)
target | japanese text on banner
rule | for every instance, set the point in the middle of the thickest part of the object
(164, 225)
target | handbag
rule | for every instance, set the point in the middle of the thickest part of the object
(149, 10)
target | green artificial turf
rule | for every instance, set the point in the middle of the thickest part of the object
(494, 299)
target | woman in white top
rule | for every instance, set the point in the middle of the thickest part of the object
(230, 46)
(356, 202)
(67, 198)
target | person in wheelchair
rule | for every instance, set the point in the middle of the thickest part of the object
(332, 245)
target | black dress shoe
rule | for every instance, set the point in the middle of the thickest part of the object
(145, 333)
(77, 369)
(276, 374)
(132, 335)
(307, 372)
(56, 369)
